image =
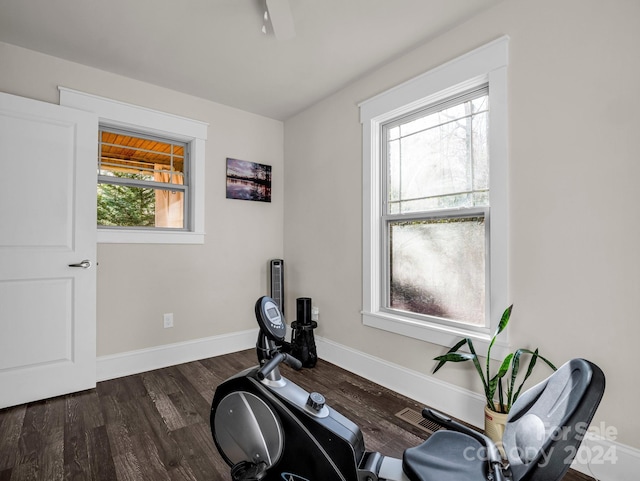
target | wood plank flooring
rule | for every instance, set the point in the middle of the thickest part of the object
(155, 426)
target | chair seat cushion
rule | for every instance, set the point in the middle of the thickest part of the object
(446, 456)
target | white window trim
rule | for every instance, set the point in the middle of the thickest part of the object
(115, 114)
(484, 64)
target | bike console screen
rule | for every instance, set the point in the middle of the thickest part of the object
(270, 319)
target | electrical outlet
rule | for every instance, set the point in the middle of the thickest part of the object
(168, 320)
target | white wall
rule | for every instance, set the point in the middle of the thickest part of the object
(574, 227)
(209, 288)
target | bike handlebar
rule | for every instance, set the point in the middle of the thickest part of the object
(272, 363)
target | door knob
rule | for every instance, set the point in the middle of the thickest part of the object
(85, 264)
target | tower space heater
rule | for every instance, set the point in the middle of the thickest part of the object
(276, 276)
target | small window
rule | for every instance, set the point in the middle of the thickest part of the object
(142, 181)
(151, 172)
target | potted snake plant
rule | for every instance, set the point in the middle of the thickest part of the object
(501, 383)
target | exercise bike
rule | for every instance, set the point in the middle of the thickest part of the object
(267, 428)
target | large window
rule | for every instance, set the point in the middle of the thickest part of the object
(435, 201)
(150, 172)
(435, 209)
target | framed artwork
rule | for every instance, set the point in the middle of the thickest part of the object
(248, 180)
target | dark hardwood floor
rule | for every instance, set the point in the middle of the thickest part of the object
(155, 425)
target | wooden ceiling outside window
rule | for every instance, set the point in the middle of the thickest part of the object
(127, 153)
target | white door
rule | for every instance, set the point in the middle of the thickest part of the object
(47, 222)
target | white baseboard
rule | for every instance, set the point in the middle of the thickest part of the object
(134, 362)
(461, 403)
(600, 458)
(607, 460)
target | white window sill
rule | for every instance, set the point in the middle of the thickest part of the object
(116, 236)
(433, 333)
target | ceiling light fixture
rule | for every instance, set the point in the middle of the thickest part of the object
(278, 13)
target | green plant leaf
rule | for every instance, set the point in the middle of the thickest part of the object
(504, 320)
(496, 384)
(476, 363)
(504, 367)
(452, 350)
(500, 397)
(455, 357)
(515, 367)
(532, 363)
(549, 363)
(534, 357)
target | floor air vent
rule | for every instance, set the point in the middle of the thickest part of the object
(415, 418)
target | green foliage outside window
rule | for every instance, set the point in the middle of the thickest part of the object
(123, 205)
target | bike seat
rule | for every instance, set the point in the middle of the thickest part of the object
(439, 459)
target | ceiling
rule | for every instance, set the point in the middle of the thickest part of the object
(214, 49)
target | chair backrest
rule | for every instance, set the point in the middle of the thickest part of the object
(548, 422)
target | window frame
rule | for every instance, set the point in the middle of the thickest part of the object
(389, 218)
(118, 115)
(484, 65)
(184, 188)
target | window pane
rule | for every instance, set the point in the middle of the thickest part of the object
(127, 163)
(439, 160)
(393, 153)
(435, 162)
(438, 118)
(132, 206)
(480, 136)
(150, 158)
(434, 203)
(437, 268)
(480, 104)
(394, 133)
